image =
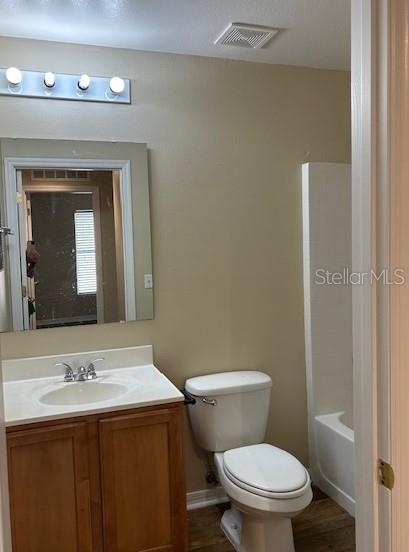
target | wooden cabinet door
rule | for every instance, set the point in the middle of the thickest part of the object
(143, 482)
(49, 489)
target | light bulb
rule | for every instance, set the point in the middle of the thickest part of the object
(14, 76)
(84, 82)
(117, 85)
(49, 79)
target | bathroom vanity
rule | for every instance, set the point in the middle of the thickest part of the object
(95, 476)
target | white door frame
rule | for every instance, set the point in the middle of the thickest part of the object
(362, 299)
(370, 82)
(13, 186)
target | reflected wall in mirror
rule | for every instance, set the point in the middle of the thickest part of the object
(80, 250)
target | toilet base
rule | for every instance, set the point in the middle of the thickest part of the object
(257, 533)
(231, 526)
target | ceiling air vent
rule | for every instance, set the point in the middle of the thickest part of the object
(246, 36)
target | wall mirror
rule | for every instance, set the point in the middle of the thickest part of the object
(78, 248)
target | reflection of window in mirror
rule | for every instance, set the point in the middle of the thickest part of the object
(74, 254)
(85, 252)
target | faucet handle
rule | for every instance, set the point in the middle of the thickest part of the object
(97, 360)
(91, 374)
(69, 372)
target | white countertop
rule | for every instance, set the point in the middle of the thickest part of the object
(146, 386)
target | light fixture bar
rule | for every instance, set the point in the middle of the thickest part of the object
(37, 84)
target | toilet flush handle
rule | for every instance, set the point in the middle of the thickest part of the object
(212, 402)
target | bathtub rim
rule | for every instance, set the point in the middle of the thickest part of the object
(334, 423)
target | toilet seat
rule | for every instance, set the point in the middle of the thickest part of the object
(266, 471)
(244, 498)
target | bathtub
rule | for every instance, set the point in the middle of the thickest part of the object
(333, 458)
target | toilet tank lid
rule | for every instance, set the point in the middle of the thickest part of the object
(226, 383)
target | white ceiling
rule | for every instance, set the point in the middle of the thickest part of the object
(317, 32)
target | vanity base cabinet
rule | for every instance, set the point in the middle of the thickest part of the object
(49, 489)
(143, 491)
(111, 482)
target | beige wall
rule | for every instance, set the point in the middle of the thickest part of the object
(227, 140)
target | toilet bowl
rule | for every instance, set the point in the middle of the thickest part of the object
(263, 501)
(266, 485)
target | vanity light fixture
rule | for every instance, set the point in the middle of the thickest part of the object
(84, 82)
(14, 76)
(47, 85)
(116, 85)
(49, 79)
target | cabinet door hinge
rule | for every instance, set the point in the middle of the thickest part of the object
(24, 291)
(386, 476)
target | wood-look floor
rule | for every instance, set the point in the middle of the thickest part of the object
(323, 526)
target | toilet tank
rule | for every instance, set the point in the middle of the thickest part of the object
(231, 409)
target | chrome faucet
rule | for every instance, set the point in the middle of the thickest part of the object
(83, 373)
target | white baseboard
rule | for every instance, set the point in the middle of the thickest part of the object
(206, 497)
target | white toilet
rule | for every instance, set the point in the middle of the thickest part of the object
(266, 485)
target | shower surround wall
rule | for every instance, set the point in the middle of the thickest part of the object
(327, 244)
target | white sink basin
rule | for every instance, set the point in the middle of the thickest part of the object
(34, 392)
(86, 392)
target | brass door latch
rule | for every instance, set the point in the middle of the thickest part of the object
(386, 476)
